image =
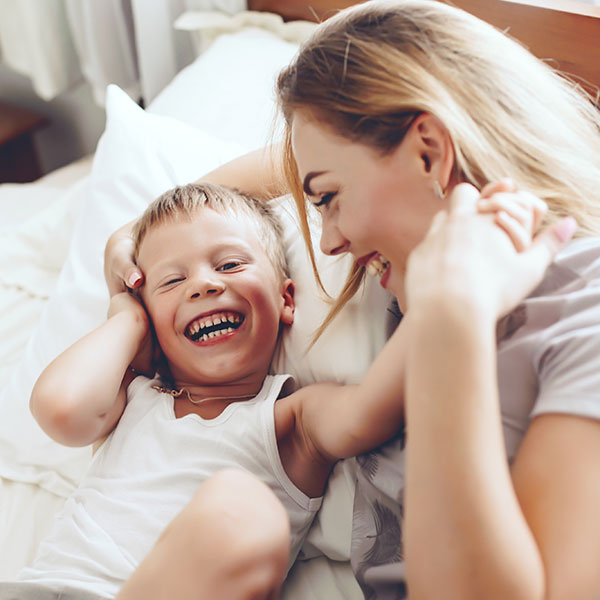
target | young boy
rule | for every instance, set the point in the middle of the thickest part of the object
(216, 295)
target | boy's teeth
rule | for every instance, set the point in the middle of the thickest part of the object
(224, 322)
(378, 266)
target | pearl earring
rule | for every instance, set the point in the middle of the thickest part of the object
(437, 190)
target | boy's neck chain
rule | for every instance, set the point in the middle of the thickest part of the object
(177, 393)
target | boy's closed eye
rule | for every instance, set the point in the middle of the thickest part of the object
(230, 265)
(169, 282)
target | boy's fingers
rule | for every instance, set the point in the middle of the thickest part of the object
(519, 237)
(508, 204)
(134, 279)
(502, 185)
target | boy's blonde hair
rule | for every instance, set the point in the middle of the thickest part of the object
(367, 73)
(185, 201)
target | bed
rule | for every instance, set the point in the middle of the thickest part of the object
(53, 232)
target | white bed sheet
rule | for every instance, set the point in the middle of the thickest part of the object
(26, 509)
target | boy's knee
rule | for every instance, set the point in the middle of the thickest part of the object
(242, 518)
(247, 508)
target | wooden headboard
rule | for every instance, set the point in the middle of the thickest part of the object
(565, 32)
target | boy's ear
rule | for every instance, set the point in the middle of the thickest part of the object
(289, 306)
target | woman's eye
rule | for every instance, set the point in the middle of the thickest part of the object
(228, 266)
(325, 200)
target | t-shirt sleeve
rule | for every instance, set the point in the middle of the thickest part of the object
(569, 360)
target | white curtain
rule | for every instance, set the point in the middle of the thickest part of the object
(103, 35)
(128, 42)
(35, 40)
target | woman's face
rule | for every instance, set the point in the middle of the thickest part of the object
(370, 204)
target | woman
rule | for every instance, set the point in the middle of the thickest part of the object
(399, 116)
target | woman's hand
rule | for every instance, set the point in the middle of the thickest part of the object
(484, 262)
(120, 272)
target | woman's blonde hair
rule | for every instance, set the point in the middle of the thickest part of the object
(367, 72)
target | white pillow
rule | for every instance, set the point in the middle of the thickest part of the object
(230, 90)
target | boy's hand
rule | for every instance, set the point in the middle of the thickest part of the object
(519, 214)
(468, 260)
(120, 272)
(144, 361)
(125, 301)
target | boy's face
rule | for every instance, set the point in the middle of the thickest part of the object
(214, 298)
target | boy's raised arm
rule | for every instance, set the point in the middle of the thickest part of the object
(258, 173)
(80, 395)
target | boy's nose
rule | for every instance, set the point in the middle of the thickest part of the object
(205, 287)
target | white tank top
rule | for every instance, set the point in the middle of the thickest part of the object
(146, 471)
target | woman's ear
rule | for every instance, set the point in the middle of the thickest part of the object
(434, 146)
(289, 306)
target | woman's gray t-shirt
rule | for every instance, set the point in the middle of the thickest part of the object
(548, 362)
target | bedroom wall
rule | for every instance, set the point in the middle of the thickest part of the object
(76, 122)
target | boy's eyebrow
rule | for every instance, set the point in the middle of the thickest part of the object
(309, 177)
(168, 263)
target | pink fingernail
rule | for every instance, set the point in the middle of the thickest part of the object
(565, 229)
(133, 279)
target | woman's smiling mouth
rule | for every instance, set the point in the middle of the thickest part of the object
(377, 265)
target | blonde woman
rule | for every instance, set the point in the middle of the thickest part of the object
(400, 116)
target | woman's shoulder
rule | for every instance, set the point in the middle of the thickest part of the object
(582, 255)
(575, 269)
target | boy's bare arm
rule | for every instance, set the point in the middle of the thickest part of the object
(80, 396)
(346, 420)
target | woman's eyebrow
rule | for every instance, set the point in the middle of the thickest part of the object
(309, 177)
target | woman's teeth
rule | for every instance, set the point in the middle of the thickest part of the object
(378, 265)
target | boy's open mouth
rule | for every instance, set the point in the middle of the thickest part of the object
(217, 324)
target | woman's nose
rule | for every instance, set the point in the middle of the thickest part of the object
(332, 241)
